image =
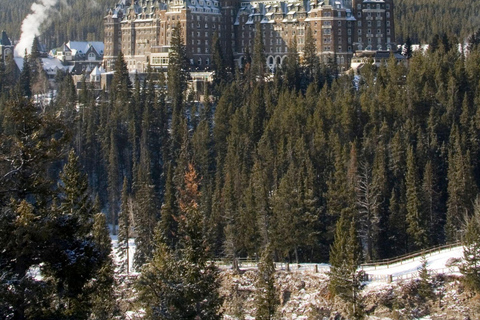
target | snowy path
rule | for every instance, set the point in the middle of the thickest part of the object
(405, 269)
(408, 268)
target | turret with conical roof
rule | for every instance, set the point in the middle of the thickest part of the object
(6, 46)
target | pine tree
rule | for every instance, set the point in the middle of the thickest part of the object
(124, 226)
(177, 76)
(113, 181)
(310, 58)
(340, 196)
(169, 213)
(66, 101)
(101, 287)
(25, 84)
(258, 64)
(432, 203)
(36, 70)
(121, 83)
(219, 64)
(345, 257)
(294, 212)
(146, 214)
(183, 284)
(266, 299)
(471, 252)
(415, 217)
(425, 289)
(76, 200)
(461, 187)
(74, 220)
(292, 66)
(28, 150)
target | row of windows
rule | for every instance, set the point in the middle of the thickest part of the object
(369, 14)
(369, 31)
(359, 6)
(369, 23)
(214, 26)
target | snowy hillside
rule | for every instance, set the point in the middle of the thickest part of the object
(303, 290)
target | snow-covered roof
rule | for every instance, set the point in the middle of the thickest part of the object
(50, 63)
(19, 63)
(97, 71)
(4, 40)
(83, 46)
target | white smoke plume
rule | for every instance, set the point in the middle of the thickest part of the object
(31, 25)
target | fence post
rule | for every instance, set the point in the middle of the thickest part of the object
(288, 267)
(316, 268)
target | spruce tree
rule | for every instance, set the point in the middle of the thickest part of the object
(461, 187)
(310, 58)
(113, 181)
(146, 214)
(294, 212)
(415, 217)
(25, 83)
(292, 69)
(471, 251)
(101, 287)
(345, 257)
(169, 212)
(124, 225)
(177, 76)
(266, 299)
(219, 64)
(72, 230)
(76, 201)
(259, 63)
(183, 284)
(121, 83)
(425, 289)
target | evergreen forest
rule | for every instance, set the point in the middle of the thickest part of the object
(304, 165)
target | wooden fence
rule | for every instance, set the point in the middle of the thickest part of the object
(245, 264)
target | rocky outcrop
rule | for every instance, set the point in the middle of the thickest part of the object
(306, 296)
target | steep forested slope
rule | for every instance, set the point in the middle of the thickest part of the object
(72, 20)
(421, 19)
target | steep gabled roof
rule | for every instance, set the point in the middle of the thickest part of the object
(4, 41)
(82, 47)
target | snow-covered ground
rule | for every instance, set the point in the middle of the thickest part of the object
(131, 251)
(406, 269)
(436, 263)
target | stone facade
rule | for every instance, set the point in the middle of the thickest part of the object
(142, 29)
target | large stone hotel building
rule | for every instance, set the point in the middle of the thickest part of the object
(142, 29)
